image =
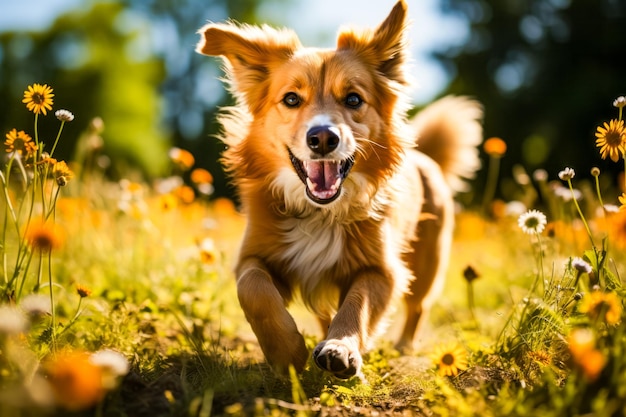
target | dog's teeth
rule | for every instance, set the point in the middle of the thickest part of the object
(312, 186)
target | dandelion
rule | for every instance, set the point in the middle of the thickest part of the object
(43, 236)
(450, 358)
(82, 291)
(62, 173)
(76, 381)
(38, 98)
(567, 174)
(611, 139)
(113, 366)
(581, 265)
(20, 142)
(64, 115)
(36, 306)
(12, 321)
(182, 158)
(604, 306)
(533, 221)
(495, 147)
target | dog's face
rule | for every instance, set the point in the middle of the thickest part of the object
(318, 116)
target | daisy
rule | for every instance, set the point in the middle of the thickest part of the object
(611, 139)
(533, 221)
(64, 115)
(567, 174)
(38, 98)
(450, 358)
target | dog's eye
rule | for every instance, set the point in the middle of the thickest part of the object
(353, 100)
(292, 100)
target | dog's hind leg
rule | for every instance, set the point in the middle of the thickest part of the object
(265, 309)
(429, 256)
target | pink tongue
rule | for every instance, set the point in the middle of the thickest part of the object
(323, 175)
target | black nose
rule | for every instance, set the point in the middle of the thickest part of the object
(322, 139)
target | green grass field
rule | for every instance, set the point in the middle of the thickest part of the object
(118, 299)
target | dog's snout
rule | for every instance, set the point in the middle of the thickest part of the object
(323, 139)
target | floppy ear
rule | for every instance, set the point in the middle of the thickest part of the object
(385, 47)
(251, 53)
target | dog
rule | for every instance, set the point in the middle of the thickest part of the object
(349, 204)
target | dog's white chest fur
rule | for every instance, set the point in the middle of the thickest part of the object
(312, 245)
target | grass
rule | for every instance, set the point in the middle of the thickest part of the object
(143, 272)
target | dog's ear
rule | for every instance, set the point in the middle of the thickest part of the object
(385, 47)
(250, 54)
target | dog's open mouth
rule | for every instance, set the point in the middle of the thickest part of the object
(322, 178)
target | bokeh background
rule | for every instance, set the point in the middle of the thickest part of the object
(547, 72)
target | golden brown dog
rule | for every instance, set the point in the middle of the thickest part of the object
(342, 209)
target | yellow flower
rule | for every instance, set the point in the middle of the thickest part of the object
(208, 252)
(62, 174)
(495, 147)
(168, 202)
(605, 306)
(450, 358)
(622, 201)
(611, 139)
(43, 236)
(75, 380)
(38, 98)
(20, 142)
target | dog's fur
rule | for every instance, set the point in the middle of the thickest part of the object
(342, 209)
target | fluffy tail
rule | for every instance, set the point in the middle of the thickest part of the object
(449, 131)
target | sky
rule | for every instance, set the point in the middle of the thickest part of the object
(315, 22)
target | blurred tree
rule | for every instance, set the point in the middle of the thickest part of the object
(547, 72)
(87, 57)
(131, 62)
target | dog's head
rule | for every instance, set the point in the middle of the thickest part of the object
(318, 117)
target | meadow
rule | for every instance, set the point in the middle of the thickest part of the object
(117, 298)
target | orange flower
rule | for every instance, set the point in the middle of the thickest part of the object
(83, 291)
(185, 194)
(605, 306)
(75, 380)
(20, 142)
(43, 236)
(495, 147)
(182, 158)
(201, 176)
(584, 354)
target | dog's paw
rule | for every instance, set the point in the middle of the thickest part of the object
(336, 356)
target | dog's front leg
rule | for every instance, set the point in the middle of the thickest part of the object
(358, 316)
(265, 310)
